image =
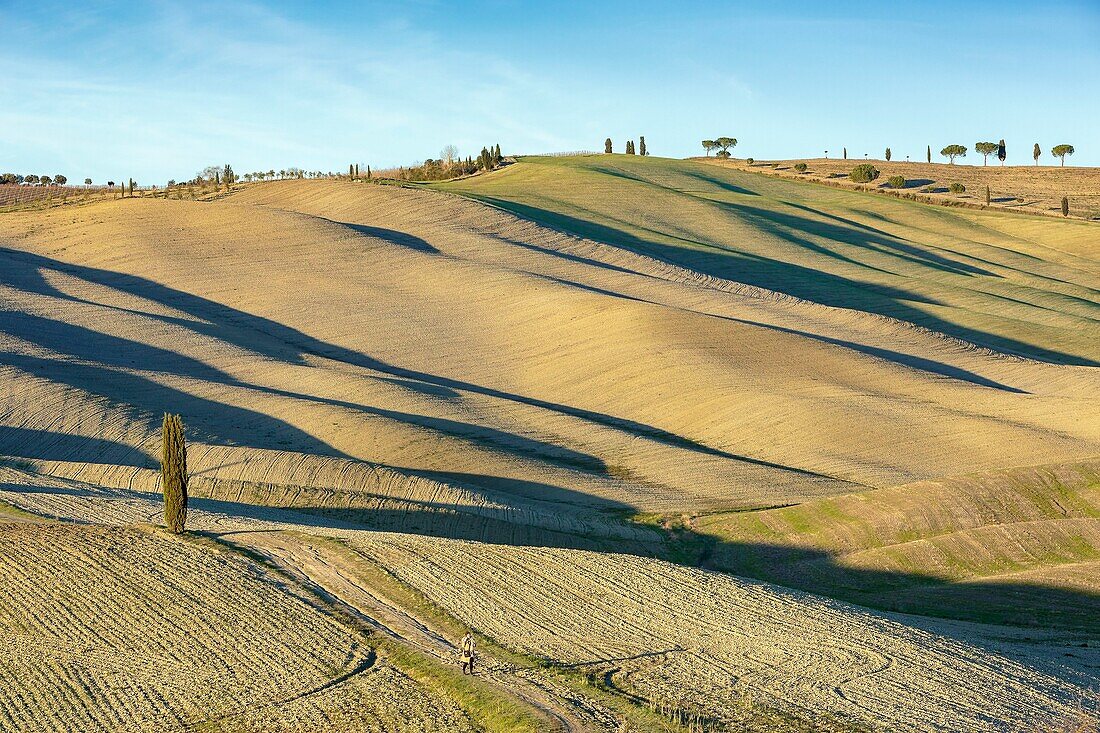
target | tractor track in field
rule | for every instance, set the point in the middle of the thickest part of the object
(321, 572)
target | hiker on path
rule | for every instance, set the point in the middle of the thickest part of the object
(468, 654)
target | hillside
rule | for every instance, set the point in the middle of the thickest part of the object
(1028, 188)
(1014, 284)
(454, 391)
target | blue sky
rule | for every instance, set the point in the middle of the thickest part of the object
(158, 90)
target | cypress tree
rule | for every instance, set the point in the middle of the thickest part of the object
(929, 153)
(497, 157)
(987, 195)
(607, 145)
(641, 145)
(351, 171)
(173, 473)
(368, 171)
(1065, 206)
(888, 155)
(217, 179)
(630, 147)
(131, 188)
(1036, 152)
(1002, 152)
(845, 153)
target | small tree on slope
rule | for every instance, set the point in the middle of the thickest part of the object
(1061, 151)
(986, 150)
(641, 145)
(953, 151)
(173, 473)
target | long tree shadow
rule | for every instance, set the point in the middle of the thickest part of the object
(792, 279)
(281, 342)
(47, 445)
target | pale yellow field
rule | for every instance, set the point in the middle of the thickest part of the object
(481, 403)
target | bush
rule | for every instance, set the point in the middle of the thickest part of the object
(896, 181)
(800, 167)
(723, 154)
(750, 161)
(956, 188)
(928, 189)
(864, 173)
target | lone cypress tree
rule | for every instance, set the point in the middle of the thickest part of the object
(607, 146)
(929, 153)
(173, 473)
(641, 145)
(1065, 206)
(368, 172)
(1036, 152)
(987, 195)
(845, 153)
(1002, 152)
(888, 154)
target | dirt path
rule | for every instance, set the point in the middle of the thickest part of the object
(323, 571)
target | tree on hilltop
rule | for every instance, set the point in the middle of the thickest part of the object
(1036, 152)
(888, 154)
(928, 153)
(173, 473)
(641, 145)
(45, 180)
(953, 151)
(60, 180)
(709, 145)
(87, 181)
(607, 146)
(1061, 151)
(845, 153)
(986, 150)
(630, 147)
(1002, 151)
(726, 143)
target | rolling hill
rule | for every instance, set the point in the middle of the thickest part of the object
(616, 362)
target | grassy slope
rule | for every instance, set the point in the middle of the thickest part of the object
(1011, 284)
(1014, 546)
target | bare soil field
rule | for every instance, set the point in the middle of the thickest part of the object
(514, 408)
(700, 641)
(1033, 189)
(127, 630)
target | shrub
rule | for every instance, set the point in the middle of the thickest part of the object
(928, 189)
(800, 167)
(723, 154)
(864, 173)
(173, 473)
(750, 161)
(956, 188)
(1065, 206)
(896, 181)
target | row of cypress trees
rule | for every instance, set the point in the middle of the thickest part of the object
(608, 148)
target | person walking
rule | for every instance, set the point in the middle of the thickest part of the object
(468, 653)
